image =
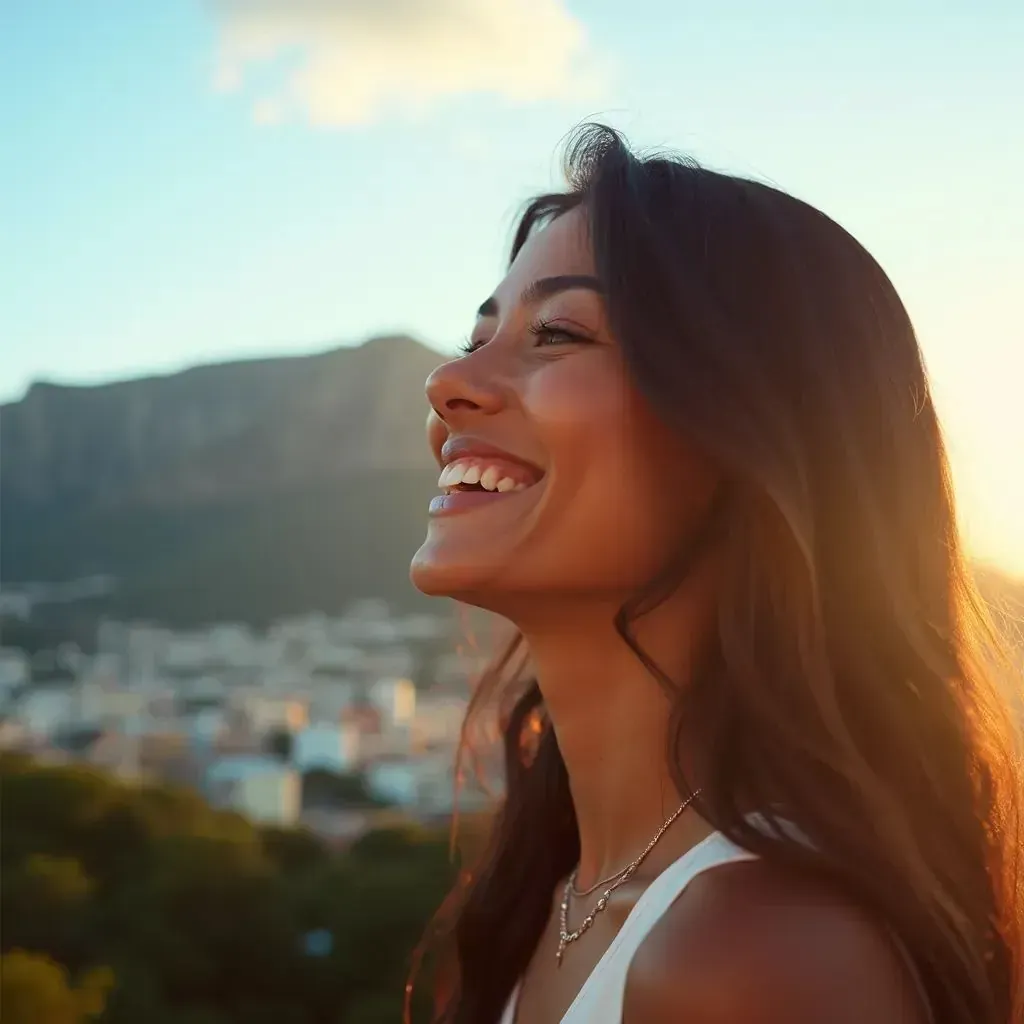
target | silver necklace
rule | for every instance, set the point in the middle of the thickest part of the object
(566, 937)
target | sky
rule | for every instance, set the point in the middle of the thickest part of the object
(185, 181)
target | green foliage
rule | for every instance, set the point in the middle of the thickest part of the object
(253, 558)
(144, 904)
(293, 850)
(323, 788)
(46, 903)
(36, 990)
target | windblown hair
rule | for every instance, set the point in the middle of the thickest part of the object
(852, 686)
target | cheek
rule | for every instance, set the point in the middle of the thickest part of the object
(621, 487)
(572, 399)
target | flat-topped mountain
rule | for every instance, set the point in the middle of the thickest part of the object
(237, 490)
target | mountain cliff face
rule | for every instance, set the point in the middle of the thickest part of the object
(212, 431)
(243, 489)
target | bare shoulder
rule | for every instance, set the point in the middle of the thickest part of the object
(750, 944)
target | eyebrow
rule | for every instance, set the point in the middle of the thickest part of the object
(544, 288)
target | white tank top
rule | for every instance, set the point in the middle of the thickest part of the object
(600, 999)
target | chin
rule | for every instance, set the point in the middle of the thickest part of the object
(471, 583)
(437, 578)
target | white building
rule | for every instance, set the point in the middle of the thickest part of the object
(145, 651)
(15, 669)
(395, 699)
(188, 653)
(234, 643)
(107, 707)
(425, 784)
(44, 710)
(328, 746)
(438, 719)
(328, 654)
(394, 780)
(104, 668)
(204, 687)
(260, 788)
(266, 713)
(205, 726)
(330, 696)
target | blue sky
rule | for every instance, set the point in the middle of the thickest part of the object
(186, 181)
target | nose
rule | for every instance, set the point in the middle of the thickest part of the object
(457, 387)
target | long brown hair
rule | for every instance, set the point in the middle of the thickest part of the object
(850, 689)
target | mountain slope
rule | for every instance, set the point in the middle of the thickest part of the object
(241, 490)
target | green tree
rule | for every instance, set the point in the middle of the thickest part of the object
(52, 810)
(294, 850)
(46, 904)
(202, 917)
(36, 990)
(376, 1008)
(323, 788)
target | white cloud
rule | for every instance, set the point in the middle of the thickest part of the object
(346, 62)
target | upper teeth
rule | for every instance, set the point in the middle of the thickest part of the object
(490, 478)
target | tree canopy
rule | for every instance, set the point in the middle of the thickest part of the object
(123, 904)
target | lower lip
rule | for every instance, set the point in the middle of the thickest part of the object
(464, 501)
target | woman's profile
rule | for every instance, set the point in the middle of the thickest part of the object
(757, 766)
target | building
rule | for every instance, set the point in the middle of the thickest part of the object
(395, 699)
(328, 746)
(425, 784)
(205, 725)
(330, 696)
(260, 788)
(15, 670)
(438, 720)
(394, 780)
(264, 713)
(44, 709)
(110, 708)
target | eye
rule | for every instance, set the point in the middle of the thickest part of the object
(545, 333)
(469, 345)
(548, 333)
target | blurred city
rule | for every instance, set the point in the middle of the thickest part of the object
(292, 725)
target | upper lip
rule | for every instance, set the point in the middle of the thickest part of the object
(461, 446)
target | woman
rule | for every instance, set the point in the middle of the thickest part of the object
(756, 770)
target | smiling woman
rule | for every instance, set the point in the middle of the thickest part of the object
(756, 769)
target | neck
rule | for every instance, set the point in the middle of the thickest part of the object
(611, 717)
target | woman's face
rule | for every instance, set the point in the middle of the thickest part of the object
(557, 479)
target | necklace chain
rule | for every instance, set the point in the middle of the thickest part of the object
(613, 882)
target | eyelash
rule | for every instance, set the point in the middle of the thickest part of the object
(541, 329)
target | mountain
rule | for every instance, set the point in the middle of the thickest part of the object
(245, 490)
(240, 490)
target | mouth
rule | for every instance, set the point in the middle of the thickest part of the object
(470, 482)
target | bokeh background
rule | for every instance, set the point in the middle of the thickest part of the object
(236, 237)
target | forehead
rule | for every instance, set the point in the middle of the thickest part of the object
(561, 247)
